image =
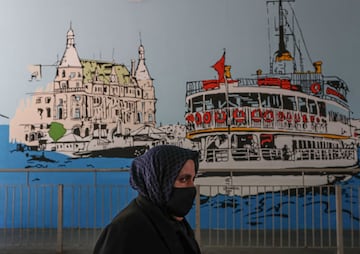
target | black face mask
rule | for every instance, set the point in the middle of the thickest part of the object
(181, 201)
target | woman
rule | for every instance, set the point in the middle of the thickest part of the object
(154, 222)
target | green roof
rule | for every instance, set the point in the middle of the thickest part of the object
(104, 71)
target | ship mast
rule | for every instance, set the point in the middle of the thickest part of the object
(282, 54)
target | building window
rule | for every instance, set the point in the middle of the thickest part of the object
(48, 112)
(77, 113)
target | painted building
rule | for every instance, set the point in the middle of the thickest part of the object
(87, 100)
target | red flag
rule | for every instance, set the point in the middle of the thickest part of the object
(219, 66)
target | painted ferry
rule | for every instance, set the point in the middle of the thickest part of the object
(286, 120)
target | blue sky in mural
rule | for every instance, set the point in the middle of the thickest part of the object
(182, 40)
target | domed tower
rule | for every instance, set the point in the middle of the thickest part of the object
(69, 72)
(145, 82)
(68, 83)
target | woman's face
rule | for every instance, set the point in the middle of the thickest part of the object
(186, 175)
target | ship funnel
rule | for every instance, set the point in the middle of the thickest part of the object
(282, 54)
(317, 65)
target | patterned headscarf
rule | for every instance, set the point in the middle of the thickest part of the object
(153, 174)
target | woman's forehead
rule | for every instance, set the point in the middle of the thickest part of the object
(188, 168)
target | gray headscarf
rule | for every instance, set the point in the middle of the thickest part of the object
(153, 174)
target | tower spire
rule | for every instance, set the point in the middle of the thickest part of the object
(70, 38)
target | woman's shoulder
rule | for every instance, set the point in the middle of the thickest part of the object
(130, 214)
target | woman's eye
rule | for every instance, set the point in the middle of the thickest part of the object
(184, 179)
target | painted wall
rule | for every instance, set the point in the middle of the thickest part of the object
(182, 40)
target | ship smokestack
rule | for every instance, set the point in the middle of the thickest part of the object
(282, 54)
(318, 67)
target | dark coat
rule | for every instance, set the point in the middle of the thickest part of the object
(142, 228)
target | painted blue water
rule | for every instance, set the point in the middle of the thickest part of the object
(10, 158)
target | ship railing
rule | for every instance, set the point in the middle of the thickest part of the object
(215, 155)
(254, 152)
(245, 153)
(71, 216)
(341, 102)
(247, 82)
(193, 87)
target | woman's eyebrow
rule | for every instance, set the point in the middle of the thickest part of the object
(184, 175)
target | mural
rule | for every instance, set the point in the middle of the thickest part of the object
(288, 119)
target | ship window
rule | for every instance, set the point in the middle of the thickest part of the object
(249, 100)
(302, 104)
(234, 100)
(197, 104)
(270, 100)
(309, 145)
(208, 103)
(219, 100)
(289, 102)
(322, 108)
(301, 144)
(312, 107)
